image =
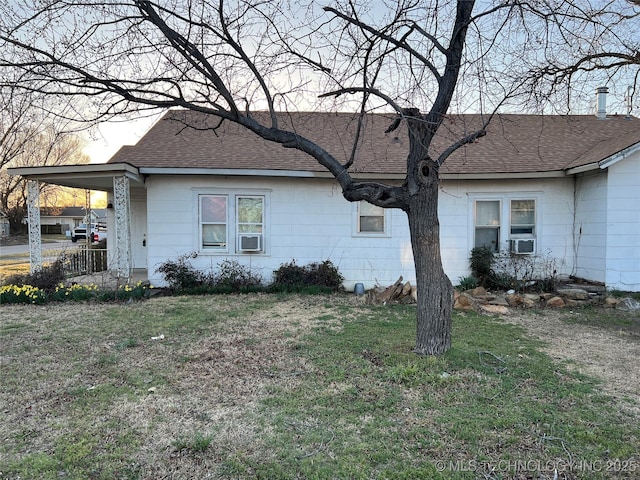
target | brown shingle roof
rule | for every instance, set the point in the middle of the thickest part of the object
(513, 144)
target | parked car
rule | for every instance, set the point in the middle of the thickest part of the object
(96, 233)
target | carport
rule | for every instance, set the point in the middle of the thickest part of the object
(119, 180)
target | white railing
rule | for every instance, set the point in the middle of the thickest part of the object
(77, 259)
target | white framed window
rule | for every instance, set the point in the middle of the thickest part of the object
(506, 222)
(523, 218)
(214, 225)
(249, 223)
(231, 222)
(487, 224)
(371, 220)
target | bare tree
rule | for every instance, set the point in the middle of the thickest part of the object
(27, 139)
(418, 59)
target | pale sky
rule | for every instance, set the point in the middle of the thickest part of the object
(106, 139)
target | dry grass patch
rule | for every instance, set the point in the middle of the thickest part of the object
(274, 386)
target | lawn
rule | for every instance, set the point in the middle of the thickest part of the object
(282, 387)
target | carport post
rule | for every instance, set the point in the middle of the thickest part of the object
(35, 240)
(122, 212)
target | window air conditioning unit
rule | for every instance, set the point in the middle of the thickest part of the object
(250, 242)
(523, 246)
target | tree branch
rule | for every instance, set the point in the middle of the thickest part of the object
(402, 44)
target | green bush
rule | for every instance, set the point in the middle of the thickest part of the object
(467, 283)
(180, 274)
(46, 279)
(231, 276)
(481, 262)
(293, 277)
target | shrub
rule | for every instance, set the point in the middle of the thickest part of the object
(325, 274)
(231, 276)
(290, 276)
(46, 279)
(481, 262)
(467, 283)
(179, 273)
(508, 270)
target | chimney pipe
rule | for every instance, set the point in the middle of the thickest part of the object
(601, 95)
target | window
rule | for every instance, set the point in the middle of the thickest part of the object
(523, 218)
(370, 218)
(231, 219)
(213, 221)
(487, 224)
(507, 222)
(250, 223)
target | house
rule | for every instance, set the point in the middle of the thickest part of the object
(564, 188)
(65, 219)
(4, 225)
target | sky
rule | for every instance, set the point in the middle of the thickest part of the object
(107, 138)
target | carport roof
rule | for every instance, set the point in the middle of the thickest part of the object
(98, 176)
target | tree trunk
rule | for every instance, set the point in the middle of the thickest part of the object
(435, 292)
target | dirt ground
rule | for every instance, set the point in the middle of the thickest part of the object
(611, 355)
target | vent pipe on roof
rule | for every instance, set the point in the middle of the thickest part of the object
(601, 95)
(628, 100)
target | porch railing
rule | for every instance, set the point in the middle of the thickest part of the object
(78, 260)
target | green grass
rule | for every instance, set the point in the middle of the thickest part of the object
(280, 387)
(608, 318)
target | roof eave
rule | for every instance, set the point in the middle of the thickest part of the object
(583, 168)
(358, 175)
(621, 155)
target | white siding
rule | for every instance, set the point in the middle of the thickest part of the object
(554, 219)
(623, 225)
(591, 225)
(309, 221)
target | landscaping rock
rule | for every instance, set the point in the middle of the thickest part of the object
(611, 302)
(478, 292)
(494, 309)
(573, 293)
(515, 300)
(462, 302)
(532, 297)
(556, 302)
(498, 301)
(628, 304)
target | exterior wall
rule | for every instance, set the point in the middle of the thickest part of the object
(138, 231)
(623, 225)
(553, 218)
(590, 229)
(293, 232)
(308, 220)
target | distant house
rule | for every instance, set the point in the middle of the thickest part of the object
(565, 188)
(65, 219)
(4, 225)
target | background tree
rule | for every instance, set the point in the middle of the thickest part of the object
(415, 58)
(28, 138)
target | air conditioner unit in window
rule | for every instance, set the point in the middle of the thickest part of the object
(250, 242)
(523, 246)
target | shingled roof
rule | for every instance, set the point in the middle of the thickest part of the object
(514, 144)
